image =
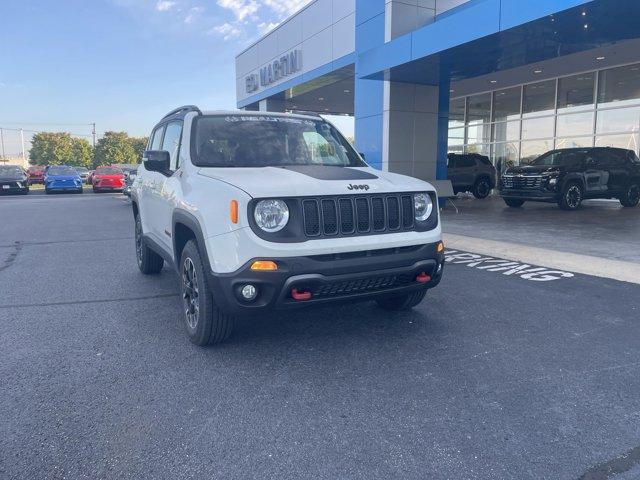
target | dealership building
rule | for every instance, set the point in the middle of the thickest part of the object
(510, 79)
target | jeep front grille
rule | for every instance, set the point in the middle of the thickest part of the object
(357, 215)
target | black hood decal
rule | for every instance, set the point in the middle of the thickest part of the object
(330, 172)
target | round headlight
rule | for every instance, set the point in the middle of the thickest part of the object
(423, 206)
(271, 215)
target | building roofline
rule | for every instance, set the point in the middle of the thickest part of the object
(254, 43)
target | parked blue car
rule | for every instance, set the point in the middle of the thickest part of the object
(62, 178)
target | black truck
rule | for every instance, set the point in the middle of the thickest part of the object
(569, 176)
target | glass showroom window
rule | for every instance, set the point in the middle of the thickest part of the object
(619, 86)
(630, 141)
(533, 149)
(576, 142)
(505, 155)
(618, 120)
(576, 93)
(574, 124)
(456, 112)
(479, 118)
(539, 99)
(506, 114)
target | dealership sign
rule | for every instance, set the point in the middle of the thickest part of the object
(284, 66)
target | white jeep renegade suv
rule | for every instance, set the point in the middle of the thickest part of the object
(260, 211)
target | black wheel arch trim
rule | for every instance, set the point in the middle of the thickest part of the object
(191, 222)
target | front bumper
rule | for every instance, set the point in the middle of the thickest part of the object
(538, 195)
(330, 278)
(13, 187)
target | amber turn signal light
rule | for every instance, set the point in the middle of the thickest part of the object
(233, 211)
(264, 265)
(440, 247)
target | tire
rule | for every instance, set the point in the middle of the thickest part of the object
(631, 196)
(482, 188)
(402, 302)
(513, 202)
(204, 322)
(572, 196)
(149, 262)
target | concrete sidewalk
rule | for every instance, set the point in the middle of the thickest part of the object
(601, 228)
(601, 239)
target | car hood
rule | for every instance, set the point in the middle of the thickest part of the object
(534, 169)
(12, 179)
(309, 180)
(62, 177)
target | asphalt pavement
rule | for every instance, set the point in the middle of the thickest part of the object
(496, 375)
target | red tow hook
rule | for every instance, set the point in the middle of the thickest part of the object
(423, 278)
(300, 296)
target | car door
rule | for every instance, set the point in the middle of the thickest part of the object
(148, 188)
(167, 196)
(595, 175)
(616, 166)
(467, 169)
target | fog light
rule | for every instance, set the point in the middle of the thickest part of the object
(249, 292)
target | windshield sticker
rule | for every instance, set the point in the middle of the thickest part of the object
(268, 118)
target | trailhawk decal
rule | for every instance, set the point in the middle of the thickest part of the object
(505, 267)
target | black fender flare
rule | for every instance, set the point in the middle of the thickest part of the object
(190, 221)
(573, 177)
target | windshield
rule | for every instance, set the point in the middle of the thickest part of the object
(108, 171)
(269, 141)
(61, 170)
(11, 172)
(558, 158)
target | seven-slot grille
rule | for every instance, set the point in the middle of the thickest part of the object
(521, 181)
(357, 215)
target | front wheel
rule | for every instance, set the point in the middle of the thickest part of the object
(481, 189)
(514, 202)
(401, 302)
(204, 322)
(631, 196)
(149, 262)
(571, 197)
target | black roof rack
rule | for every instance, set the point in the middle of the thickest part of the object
(183, 109)
(308, 113)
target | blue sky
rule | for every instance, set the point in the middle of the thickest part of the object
(123, 63)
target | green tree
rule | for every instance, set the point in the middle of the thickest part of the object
(82, 153)
(51, 148)
(114, 147)
(139, 145)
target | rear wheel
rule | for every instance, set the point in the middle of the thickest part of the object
(204, 322)
(482, 188)
(571, 197)
(631, 196)
(401, 302)
(513, 202)
(149, 262)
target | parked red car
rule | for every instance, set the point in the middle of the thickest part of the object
(107, 178)
(35, 174)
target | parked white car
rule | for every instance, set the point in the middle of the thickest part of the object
(260, 211)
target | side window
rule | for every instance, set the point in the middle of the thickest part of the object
(611, 159)
(466, 162)
(156, 140)
(453, 161)
(171, 142)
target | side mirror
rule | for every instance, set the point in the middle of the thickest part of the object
(156, 160)
(363, 155)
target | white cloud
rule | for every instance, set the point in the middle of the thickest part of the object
(240, 8)
(266, 27)
(165, 5)
(227, 31)
(193, 14)
(285, 8)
